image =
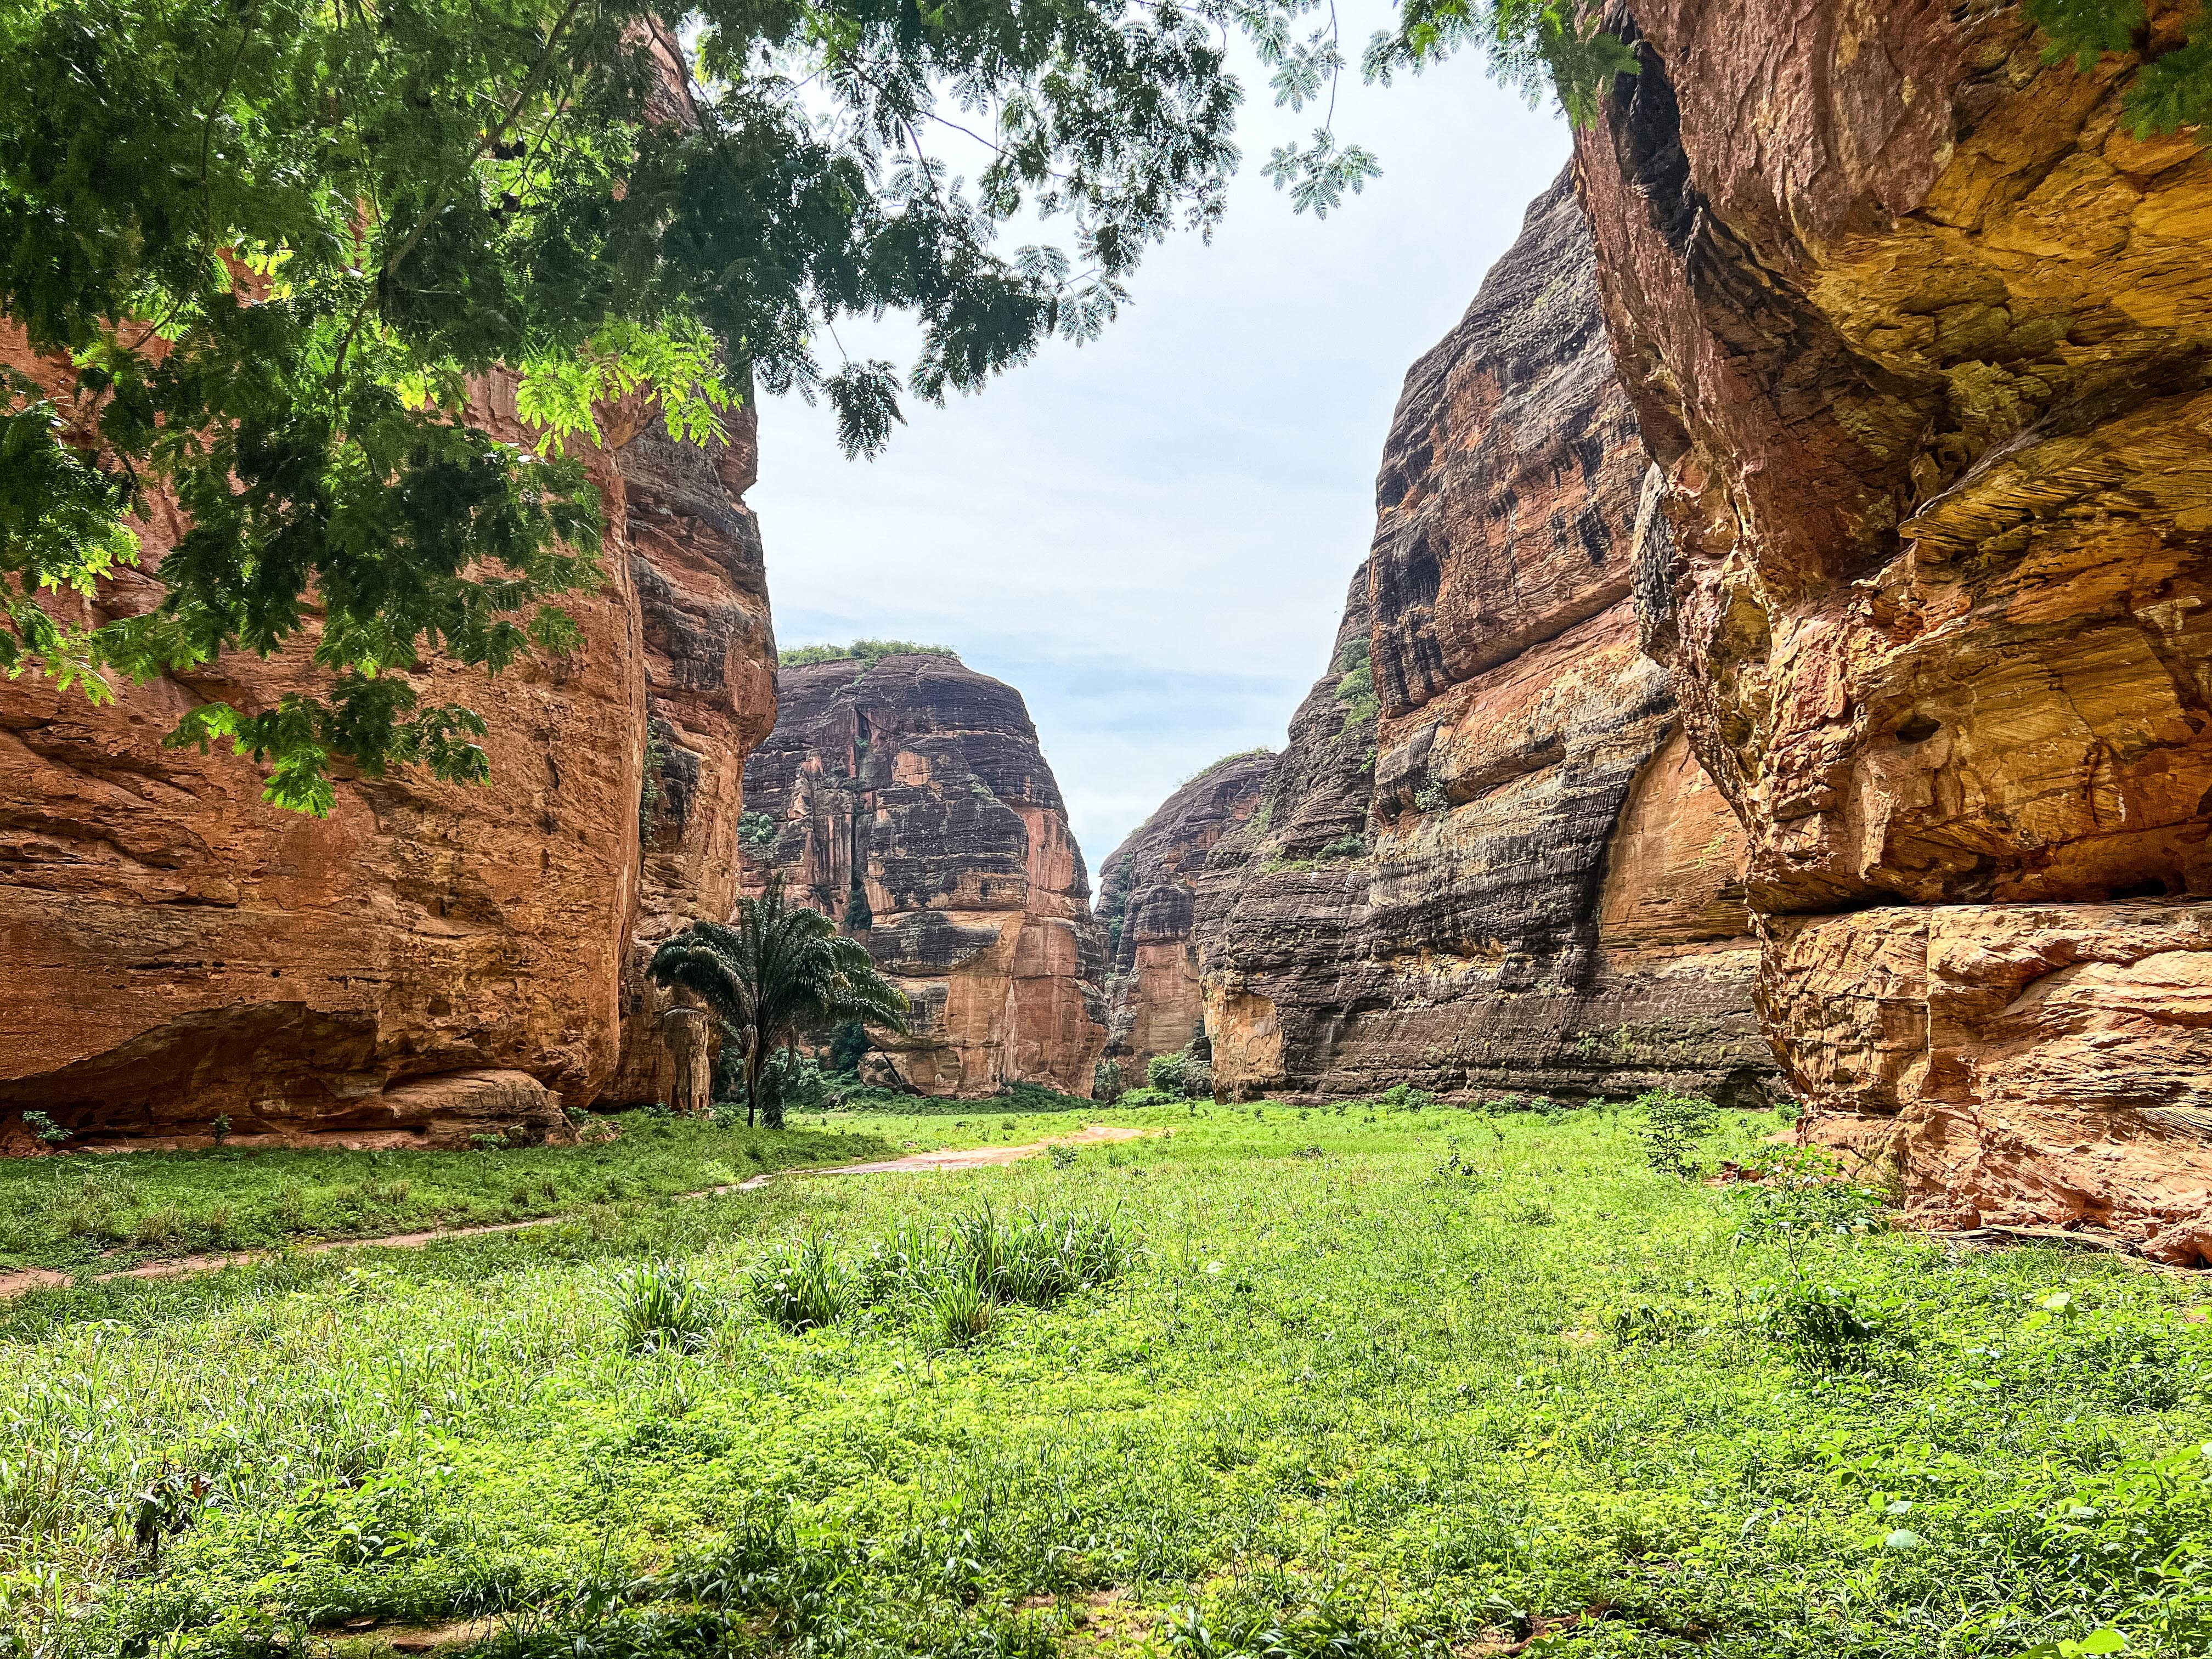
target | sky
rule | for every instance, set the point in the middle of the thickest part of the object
(1150, 536)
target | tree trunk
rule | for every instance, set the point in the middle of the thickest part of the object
(752, 1076)
(688, 1034)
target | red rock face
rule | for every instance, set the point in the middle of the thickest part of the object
(433, 958)
(910, 796)
(1919, 335)
(1147, 902)
(1494, 869)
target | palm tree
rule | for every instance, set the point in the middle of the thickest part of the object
(776, 971)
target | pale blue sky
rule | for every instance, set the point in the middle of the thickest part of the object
(1150, 536)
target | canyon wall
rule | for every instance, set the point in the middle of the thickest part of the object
(1487, 862)
(429, 961)
(908, 798)
(1920, 335)
(1146, 904)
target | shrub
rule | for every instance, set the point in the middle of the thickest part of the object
(660, 1306)
(1806, 1195)
(48, 1133)
(1185, 1075)
(800, 1286)
(865, 652)
(1106, 1081)
(1404, 1098)
(1638, 1323)
(1821, 1326)
(1673, 1126)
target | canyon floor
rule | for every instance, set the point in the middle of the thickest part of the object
(1342, 1383)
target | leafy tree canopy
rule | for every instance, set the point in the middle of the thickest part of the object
(863, 651)
(269, 243)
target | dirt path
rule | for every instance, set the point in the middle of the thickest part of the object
(21, 1280)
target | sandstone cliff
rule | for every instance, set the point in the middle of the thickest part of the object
(1486, 862)
(1145, 904)
(908, 798)
(1921, 335)
(429, 959)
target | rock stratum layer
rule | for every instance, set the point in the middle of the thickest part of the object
(908, 798)
(1147, 903)
(1486, 862)
(1921, 336)
(431, 959)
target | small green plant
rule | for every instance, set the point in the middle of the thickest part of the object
(1673, 1124)
(1355, 688)
(1432, 797)
(1404, 1098)
(1063, 1157)
(1820, 1326)
(491, 1142)
(800, 1286)
(1106, 1081)
(1635, 1322)
(45, 1129)
(757, 832)
(661, 1307)
(221, 1128)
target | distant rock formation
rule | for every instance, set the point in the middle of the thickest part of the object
(907, 796)
(431, 960)
(1486, 862)
(1921, 334)
(1145, 904)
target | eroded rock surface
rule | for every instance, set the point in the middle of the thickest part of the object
(1498, 869)
(1146, 904)
(909, 799)
(1921, 335)
(444, 959)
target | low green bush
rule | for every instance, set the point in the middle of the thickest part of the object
(660, 1306)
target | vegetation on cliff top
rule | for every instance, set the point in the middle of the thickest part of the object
(868, 652)
(1381, 1383)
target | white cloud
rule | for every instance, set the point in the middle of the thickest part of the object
(1151, 536)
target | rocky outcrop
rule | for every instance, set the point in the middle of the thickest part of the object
(908, 797)
(441, 959)
(1920, 334)
(1486, 862)
(1145, 904)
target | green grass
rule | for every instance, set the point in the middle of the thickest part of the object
(104, 1211)
(107, 1211)
(1376, 1383)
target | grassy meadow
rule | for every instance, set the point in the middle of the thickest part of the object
(1325, 1384)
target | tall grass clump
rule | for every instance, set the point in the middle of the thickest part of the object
(802, 1285)
(661, 1307)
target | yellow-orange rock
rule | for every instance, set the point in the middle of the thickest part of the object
(172, 950)
(908, 798)
(1921, 335)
